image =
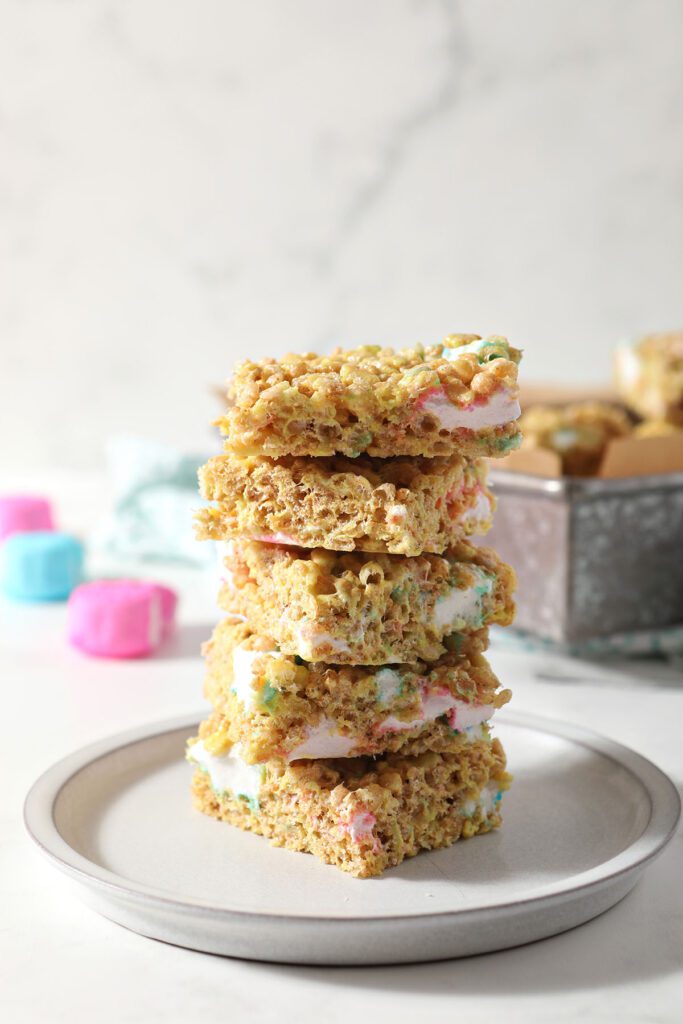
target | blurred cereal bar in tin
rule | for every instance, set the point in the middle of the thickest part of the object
(401, 506)
(579, 432)
(362, 815)
(649, 376)
(456, 397)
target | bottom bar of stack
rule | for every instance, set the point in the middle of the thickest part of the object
(361, 814)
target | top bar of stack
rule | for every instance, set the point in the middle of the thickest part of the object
(350, 690)
(459, 397)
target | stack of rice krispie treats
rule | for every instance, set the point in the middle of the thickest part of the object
(350, 691)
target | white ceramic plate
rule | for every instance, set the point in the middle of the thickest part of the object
(582, 820)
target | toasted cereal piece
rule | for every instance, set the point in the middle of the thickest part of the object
(649, 376)
(359, 814)
(358, 609)
(459, 397)
(401, 506)
(278, 706)
(578, 433)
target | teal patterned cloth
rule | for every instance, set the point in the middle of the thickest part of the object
(155, 496)
(666, 643)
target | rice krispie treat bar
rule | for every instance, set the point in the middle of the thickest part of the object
(279, 707)
(456, 397)
(578, 433)
(358, 609)
(359, 814)
(649, 376)
(402, 506)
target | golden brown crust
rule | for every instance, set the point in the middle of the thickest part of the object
(402, 506)
(357, 609)
(372, 399)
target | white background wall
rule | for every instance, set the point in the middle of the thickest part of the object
(183, 183)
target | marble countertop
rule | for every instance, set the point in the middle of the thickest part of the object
(60, 961)
(184, 185)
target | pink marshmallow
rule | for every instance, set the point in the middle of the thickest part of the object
(24, 513)
(120, 618)
(276, 538)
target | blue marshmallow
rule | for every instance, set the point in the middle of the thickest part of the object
(41, 565)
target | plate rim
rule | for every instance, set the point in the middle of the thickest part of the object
(40, 801)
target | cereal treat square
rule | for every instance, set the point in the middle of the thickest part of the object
(400, 506)
(579, 433)
(359, 814)
(649, 376)
(458, 397)
(358, 609)
(277, 706)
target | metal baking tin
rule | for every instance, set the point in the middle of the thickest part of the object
(593, 557)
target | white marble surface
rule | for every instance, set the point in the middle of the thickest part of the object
(183, 183)
(61, 962)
